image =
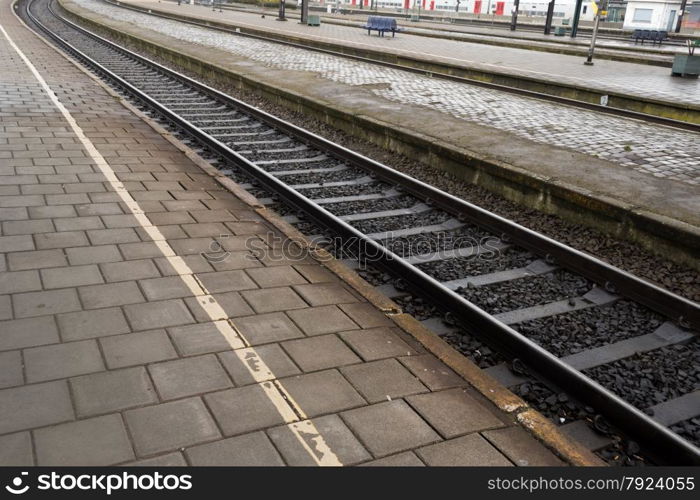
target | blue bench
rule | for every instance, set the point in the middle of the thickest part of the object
(381, 25)
(649, 35)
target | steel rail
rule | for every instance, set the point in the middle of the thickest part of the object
(678, 308)
(659, 440)
(658, 120)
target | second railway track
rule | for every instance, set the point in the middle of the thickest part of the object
(513, 289)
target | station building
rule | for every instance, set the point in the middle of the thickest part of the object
(563, 9)
(660, 15)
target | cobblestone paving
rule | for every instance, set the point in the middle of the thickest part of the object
(657, 150)
(613, 76)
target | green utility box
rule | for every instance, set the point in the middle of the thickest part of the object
(414, 18)
(686, 65)
(314, 20)
(559, 31)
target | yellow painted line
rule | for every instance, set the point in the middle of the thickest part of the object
(284, 404)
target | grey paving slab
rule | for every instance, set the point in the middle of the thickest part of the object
(248, 450)
(231, 303)
(366, 315)
(110, 295)
(27, 227)
(96, 441)
(377, 343)
(320, 353)
(152, 315)
(72, 276)
(251, 365)
(405, 459)
(320, 320)
(43, 212)
(64, 239)
(196, 263)
(266, 328)
(273, 299)
(268, 277)
(47, 302)
(521, 448)
(35, 405)
(129, 270)
(62, 360)
(93, 254)
(454, 412)
(322, 392)
(321, 294)
(112, 236)
(243, 409)
(466, 451)
(167, 460)
(137, 348)
(16, 243)
(18, 333)
(10, 369)
(432, 372)
(170, 426)
(91, 324)
(78, 224)
(5, 305)
(171, 287)
(382, 380)
(36, 259)
(111, 391)
(226, 281)
(390, 427)
(140, 250)
(189, 376)
(200, 338)
(330, 430)
(16, 450)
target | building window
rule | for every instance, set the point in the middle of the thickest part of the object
(642, 15)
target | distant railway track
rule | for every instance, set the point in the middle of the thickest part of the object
(611, 110)
(507, 285)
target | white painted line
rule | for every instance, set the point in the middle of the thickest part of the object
(284, 404)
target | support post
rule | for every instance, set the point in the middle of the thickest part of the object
(681, 13)
(601, 7)
(550, 16)
(514, 18)
(281, 15)
(304, 11)
(577, 17)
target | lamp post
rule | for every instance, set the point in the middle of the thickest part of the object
(514, 18)
(681, 13)
(577, 17)
(304, 11)
(599, 7)
(550, 16)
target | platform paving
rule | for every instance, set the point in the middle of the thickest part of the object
(642, 166)
(123, 342)
(613, 76)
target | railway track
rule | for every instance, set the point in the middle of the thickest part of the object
(543, 96)
(560, 315)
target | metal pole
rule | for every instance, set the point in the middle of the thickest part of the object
(282, 12)
(681, 12)
(589, 60)
(514, 18)
(577, 17)
(304, 11)
(550, 15)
